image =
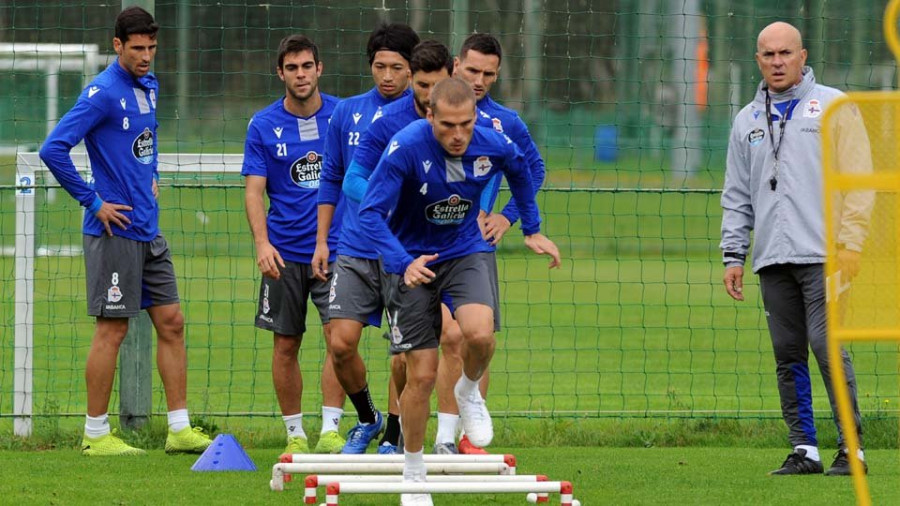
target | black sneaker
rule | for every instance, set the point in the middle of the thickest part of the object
(798, 463)
(841, 465)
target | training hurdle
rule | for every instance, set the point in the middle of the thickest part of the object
(489, 464)
(313, 481)
(283, 470)
(564, 488)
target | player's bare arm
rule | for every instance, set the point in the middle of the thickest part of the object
(267, 257)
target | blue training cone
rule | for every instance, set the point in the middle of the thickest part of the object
(224, 454)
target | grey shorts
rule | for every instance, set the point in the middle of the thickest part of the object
(125, 276)
(495, 289)
(414, 314)
(283, 302)
(356, 290)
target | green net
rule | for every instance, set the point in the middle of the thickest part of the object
(630, 103)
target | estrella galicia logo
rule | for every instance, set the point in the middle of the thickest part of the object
(305, 171)
(450, 211)
(143, 147)
(756, 136)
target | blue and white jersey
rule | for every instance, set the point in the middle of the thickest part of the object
(507, 121)
(422, 201)
(350, 120)
(288, 151)
(396, 117)
(116, 117)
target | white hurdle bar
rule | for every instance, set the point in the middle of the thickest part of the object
(282, 471)
(357, 460)
(563, 488)
(314, 481)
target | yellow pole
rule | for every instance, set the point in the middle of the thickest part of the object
(833, 316)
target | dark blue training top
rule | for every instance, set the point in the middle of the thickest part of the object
(507, 121)
(116, 117)
(422, 201)
(351, 118)
(289, 151)
(397, 116)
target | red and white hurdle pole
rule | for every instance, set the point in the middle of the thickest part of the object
(281, 471)
(304, 458)
(313, 481)
(563, 488)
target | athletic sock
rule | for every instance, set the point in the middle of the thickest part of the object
(362, 401)
(96, 426)
(812, 452)
(465, 386)
(331, 418)
(446, 431)
(392, 432)
(294, 425)
(178, 420)
(414, 465)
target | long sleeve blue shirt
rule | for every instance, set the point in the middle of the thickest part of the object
(421, 200)
(116, 117)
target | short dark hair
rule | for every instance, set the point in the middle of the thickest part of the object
(451, 91)
(484, 43)
(430, 56)
(395, 37)
(135, 21)
(295, 44)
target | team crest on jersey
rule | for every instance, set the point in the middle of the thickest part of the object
(142, 148)
(449, 211)
(756, 136)
(153, 98)
(482, 166)
(114, 294)
(812, 109)
(498, 125)
(305, 171)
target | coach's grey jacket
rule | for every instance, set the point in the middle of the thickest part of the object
(789, 222)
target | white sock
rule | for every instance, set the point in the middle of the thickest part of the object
(414, 465)
(331, 418)
(96, 426)
(294, 425)
(465, 386)
(178, 420)
(812, 452)
(446, 431)
(859, 453)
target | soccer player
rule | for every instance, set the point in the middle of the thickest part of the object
(127, 261)
(355, 296)
(773, 187)
(420, 212)
(478, 63)
(283, 157)
(431, 63)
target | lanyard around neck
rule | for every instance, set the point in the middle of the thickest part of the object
(776, 148)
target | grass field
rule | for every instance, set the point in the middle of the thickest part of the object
(633, 476)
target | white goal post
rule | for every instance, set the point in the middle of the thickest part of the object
(30, 175)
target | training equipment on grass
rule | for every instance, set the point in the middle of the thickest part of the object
(224, 454)
(313, 482)
(334, 490)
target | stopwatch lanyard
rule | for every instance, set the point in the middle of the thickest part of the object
(776, 148)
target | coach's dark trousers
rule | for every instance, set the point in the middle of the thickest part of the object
(794, 298)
